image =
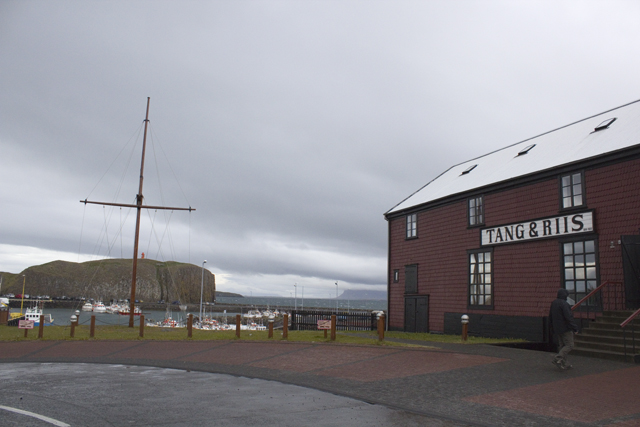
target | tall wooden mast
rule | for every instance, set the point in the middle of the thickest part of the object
(139, 206)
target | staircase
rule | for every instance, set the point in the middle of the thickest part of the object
(603, 338)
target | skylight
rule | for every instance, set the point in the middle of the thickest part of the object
(469, 169)
(526, 150)
(605, 124)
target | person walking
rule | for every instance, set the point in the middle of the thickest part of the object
(563, 327)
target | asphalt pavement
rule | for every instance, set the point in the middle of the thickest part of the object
(245, 383)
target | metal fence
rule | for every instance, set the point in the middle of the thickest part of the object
(307, 320)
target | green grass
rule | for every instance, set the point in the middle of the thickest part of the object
(456, 339)
(119, 332)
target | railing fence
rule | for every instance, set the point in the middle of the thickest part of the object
(307, 320)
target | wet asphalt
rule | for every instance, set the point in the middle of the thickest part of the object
(241, 383)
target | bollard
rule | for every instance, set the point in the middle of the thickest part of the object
(285, 327)
(333, 327)
(238, 325)
(270, 328)
(142, 326)
(465, 326)
(41, 327)
(74, 322)
(381, 327)
(92, 331)
(190, 326)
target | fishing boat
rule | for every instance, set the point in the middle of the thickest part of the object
(113, 308)
(99, 307)
(34, 314)
(4, 304)
(126, 311)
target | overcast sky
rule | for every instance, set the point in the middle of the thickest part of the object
(290, 126)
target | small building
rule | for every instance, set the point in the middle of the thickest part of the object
(495, 237)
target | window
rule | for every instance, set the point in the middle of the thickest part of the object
(480, 279)
(469, 169)
(412, 226)
(580, 269)
(605, 124)
(476, 211)
(572, 190)
(396, 276)
(525, 150)
(411, 279)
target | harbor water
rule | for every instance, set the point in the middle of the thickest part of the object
(237, 305)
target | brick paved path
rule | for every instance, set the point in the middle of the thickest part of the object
(459, 384)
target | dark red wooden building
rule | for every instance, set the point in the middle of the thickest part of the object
(495, 237)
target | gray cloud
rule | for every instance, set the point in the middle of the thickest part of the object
(290, 126)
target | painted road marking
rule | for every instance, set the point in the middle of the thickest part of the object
(34, 415)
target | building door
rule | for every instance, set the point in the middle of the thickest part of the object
(416, 314)
(631, 267)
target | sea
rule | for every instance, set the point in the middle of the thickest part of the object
(62, 316)
(301, 303)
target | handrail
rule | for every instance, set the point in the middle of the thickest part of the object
(629, 319)
(590, 294)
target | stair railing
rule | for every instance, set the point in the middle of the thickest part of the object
(610, 296)
(624, 325)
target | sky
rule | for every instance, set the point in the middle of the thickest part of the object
(291, 127)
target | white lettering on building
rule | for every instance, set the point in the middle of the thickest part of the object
(557, 226)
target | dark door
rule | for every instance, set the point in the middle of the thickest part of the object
(410, 314)
(416, 314)
(631, 266)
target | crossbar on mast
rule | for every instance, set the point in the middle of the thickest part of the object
(139, 206)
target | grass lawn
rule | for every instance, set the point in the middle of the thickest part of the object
(113, 332)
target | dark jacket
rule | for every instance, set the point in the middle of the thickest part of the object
(560, 317)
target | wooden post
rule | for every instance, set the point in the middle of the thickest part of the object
(41, 327)
(26, 332)
(465, 329)
(333, 327)
(381, 328)
(285, 327)
(142, 326)
(238, 321)
(190, 326)
(325, 333)
(270, 328)
(73, 329)
(92, 331)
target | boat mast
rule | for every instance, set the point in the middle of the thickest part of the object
(139, 210)
(139, 206)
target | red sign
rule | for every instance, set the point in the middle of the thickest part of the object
(25, 324)
(324, 324)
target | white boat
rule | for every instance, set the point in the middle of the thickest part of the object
(87, 307)
(125, 311)
(252, 314)
(112, 308)
(34, 314)
(99, 307)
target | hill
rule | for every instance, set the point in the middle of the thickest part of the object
(111, 279)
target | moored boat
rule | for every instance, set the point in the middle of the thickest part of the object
(125, 311)
(34, 314)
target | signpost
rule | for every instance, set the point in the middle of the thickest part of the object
(26, 325)
(324, 325)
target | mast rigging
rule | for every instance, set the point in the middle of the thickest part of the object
(139, 206)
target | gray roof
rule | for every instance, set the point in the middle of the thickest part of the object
(568, 144)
